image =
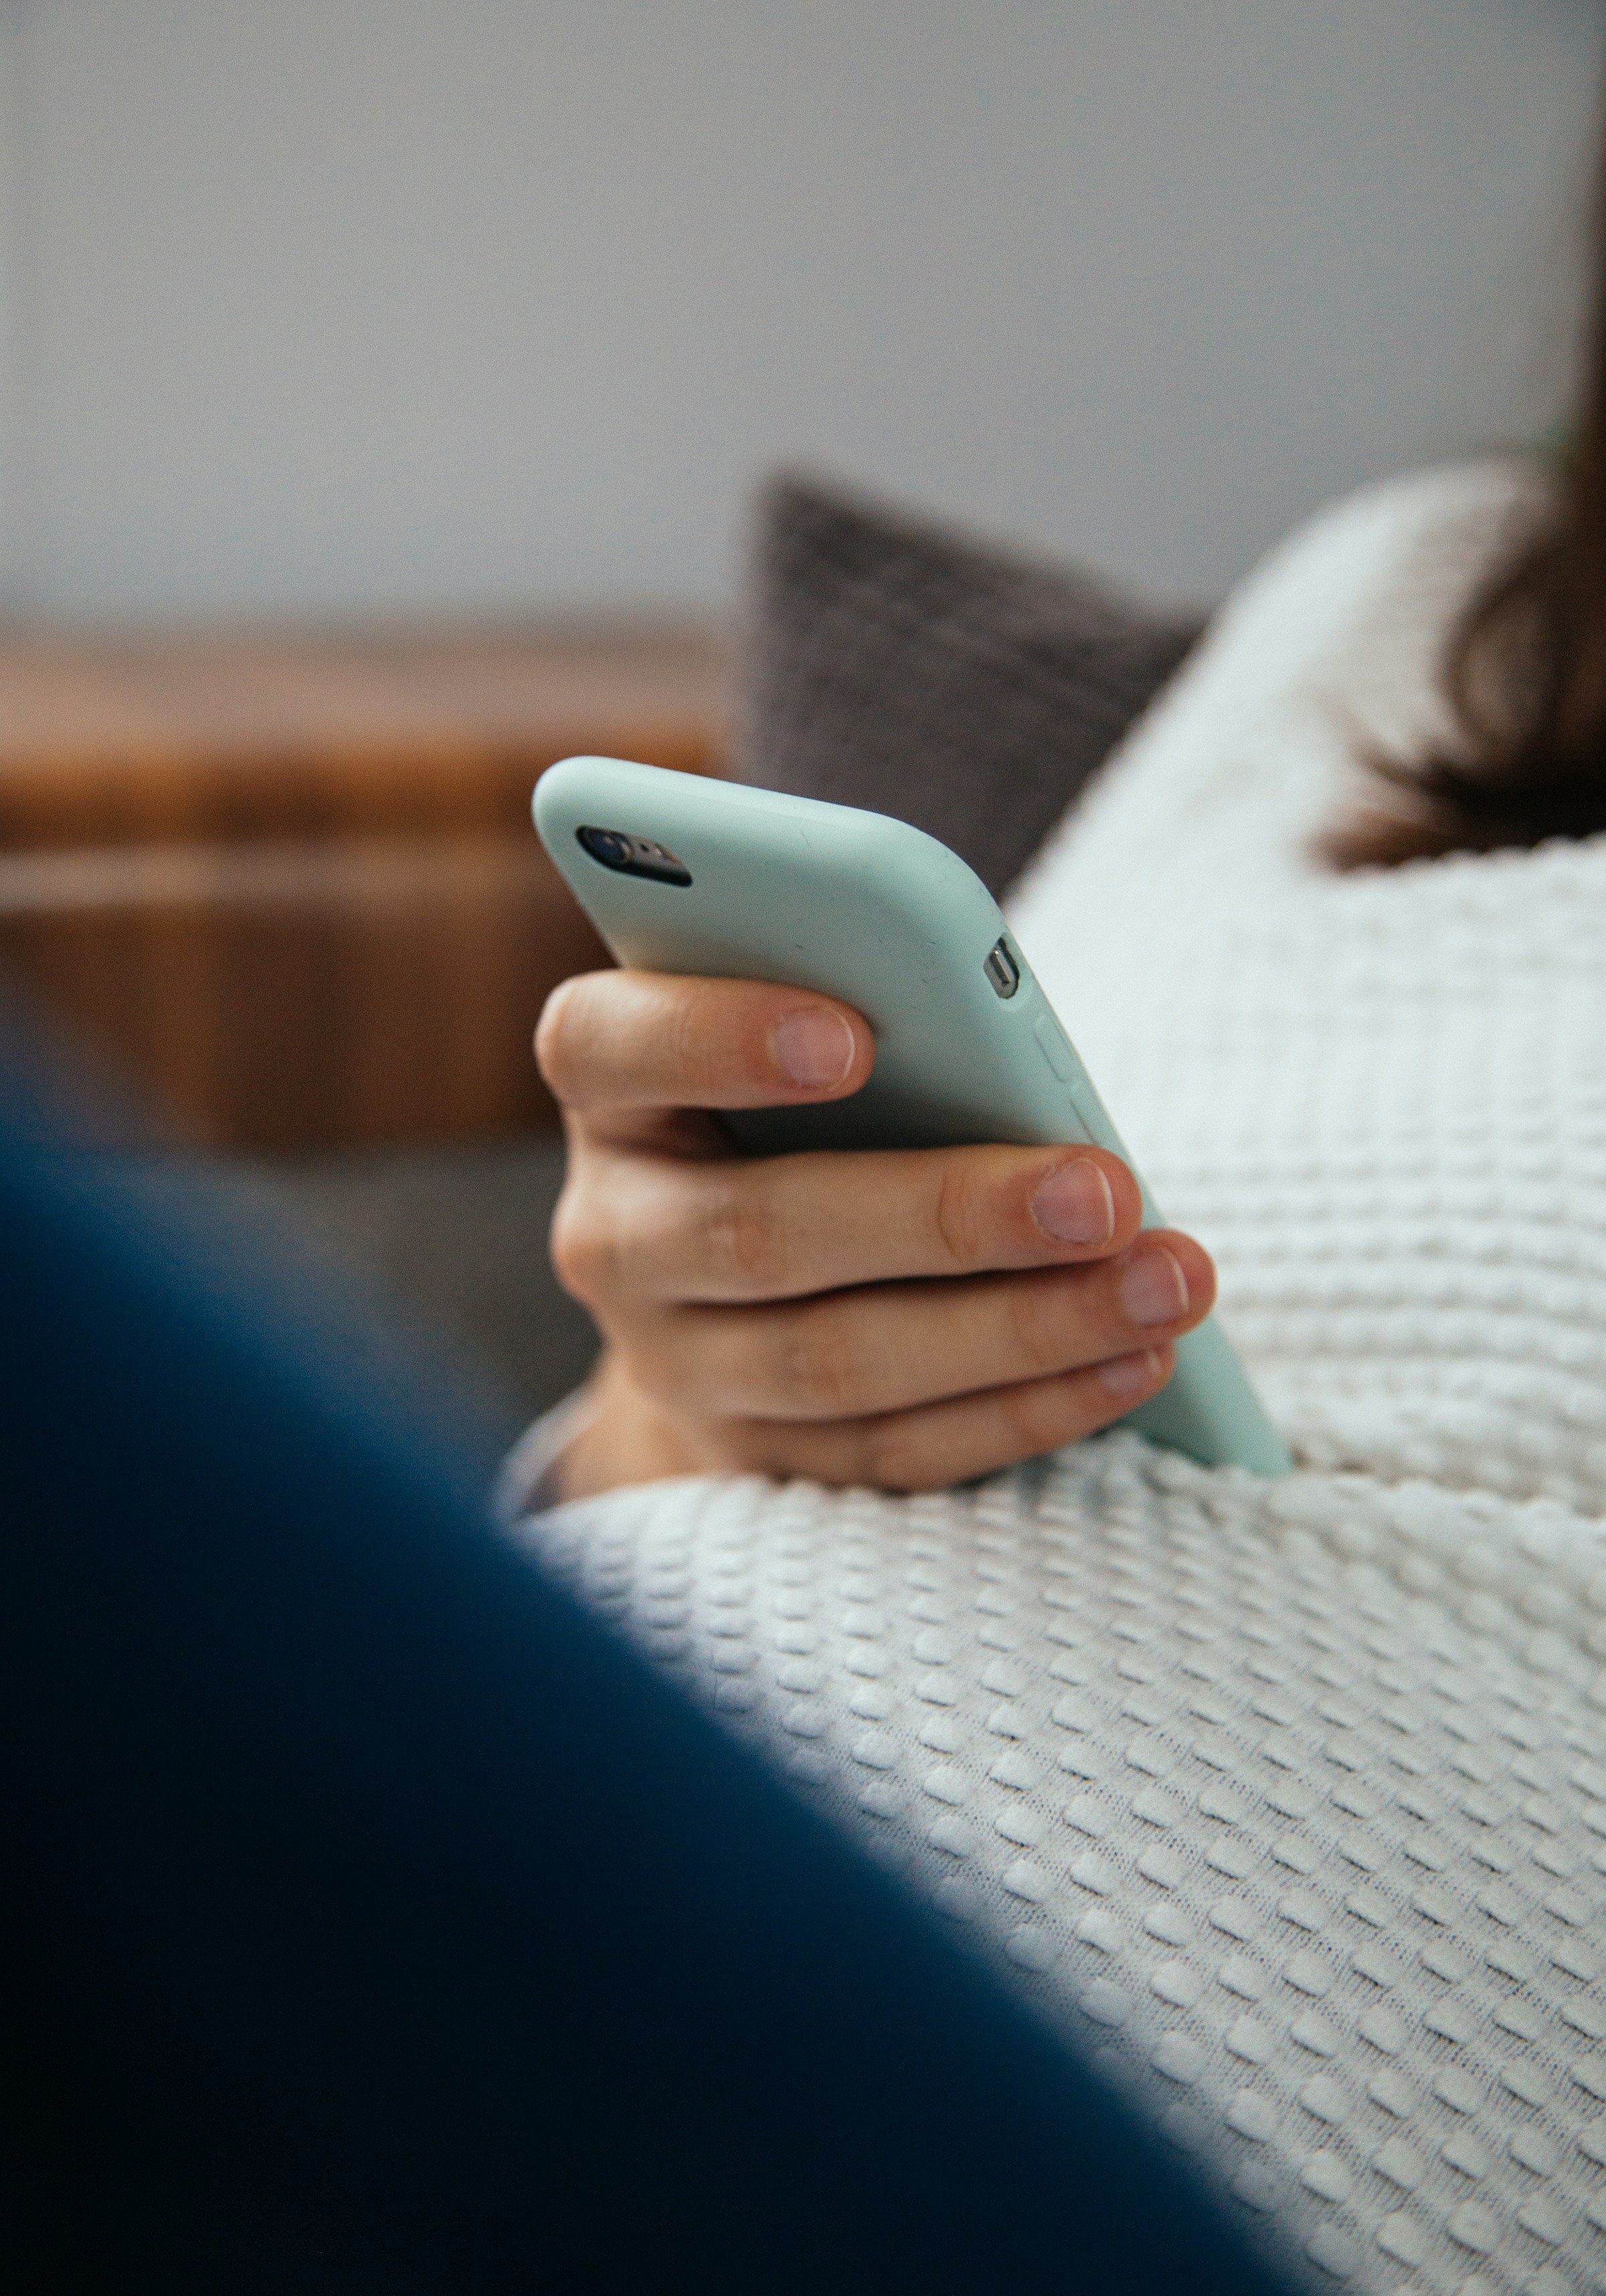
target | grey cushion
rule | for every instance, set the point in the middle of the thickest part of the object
(895, 664)
(445, 1243)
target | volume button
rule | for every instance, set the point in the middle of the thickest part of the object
(1051, 1044)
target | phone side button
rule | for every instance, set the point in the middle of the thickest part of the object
(1052, 1045)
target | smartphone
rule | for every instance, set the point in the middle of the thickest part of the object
(683, 875)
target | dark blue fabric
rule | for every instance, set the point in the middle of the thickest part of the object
(380, 1924)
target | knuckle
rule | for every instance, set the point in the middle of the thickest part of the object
(582, 1246)
(958, 1210)
(745, 1245)
(702, 1037)
(815, 1364)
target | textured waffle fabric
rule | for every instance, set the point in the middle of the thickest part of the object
(892, 664)
(1286, 1800)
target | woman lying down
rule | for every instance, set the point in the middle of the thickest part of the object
(1287, 1798)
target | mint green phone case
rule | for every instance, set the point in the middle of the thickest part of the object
(868, 909)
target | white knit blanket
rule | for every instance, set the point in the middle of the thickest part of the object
(1288, 1801)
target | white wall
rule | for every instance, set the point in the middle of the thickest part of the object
(373, 304)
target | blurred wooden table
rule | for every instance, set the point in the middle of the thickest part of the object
(288, 884)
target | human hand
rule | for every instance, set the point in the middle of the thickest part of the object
(902, 1319)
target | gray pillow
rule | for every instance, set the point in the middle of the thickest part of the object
(891, 663)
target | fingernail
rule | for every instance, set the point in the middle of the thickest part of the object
(1126, 1374)
(813, 1047)
(1154, 1289)
(1074, 1205)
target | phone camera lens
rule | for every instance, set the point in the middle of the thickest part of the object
(634, 857)
(607, 846)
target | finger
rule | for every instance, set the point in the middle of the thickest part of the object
(650, 1040)
(781, 1227)
(890, 1346)
(938, 1444)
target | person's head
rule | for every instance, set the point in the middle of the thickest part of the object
(1525, 668)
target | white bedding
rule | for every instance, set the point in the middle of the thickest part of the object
(1287, 1798)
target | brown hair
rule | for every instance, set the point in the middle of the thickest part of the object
(1524, 672)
